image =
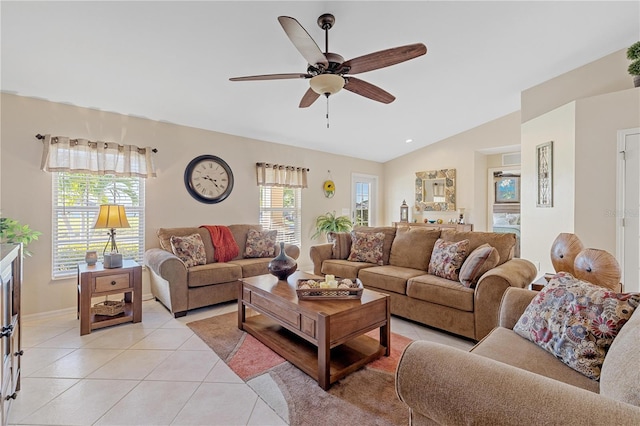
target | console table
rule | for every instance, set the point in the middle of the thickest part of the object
(456, 226)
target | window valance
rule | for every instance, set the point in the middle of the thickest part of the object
(61, 154)
(279, 175)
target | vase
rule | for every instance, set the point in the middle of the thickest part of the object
(282, 265)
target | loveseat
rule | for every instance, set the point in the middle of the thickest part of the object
(508, 380)
(181, 288)
(469, 310)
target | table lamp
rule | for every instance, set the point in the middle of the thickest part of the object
(111, 216)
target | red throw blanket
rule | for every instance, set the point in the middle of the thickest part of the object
(225, 247)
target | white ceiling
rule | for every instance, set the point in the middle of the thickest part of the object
(171, 61)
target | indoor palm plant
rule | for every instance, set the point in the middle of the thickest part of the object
(329, 222)
(633, 53)
(11, 231)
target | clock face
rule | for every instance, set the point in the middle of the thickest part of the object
(208, 179)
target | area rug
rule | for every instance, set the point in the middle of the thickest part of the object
(365, 397)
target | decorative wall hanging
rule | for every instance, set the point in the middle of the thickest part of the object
(544, 170)
(329, 187)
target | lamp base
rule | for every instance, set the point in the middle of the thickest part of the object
(112, 260)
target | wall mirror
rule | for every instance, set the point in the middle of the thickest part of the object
(436, 190)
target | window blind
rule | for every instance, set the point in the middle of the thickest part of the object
(281, 209)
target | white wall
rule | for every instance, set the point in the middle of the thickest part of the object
(26, 190)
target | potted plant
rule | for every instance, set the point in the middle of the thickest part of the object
(11, 231)
(633, 53)
(329, 222)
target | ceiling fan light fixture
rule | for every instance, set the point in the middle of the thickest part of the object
(326, 84)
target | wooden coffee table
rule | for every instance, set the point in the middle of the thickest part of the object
(323, 338)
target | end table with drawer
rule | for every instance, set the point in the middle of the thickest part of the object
(97, 281)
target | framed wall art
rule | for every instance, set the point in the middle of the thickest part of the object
(507, 190)
(544, 171)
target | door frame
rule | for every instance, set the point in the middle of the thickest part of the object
(373, 196)
(491, 190)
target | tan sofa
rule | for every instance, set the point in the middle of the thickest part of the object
(508, 380)
(180, 288)
(425, 298)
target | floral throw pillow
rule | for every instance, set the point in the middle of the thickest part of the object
(190, 249)
(576, 321)
(367, 247)
(260, 243)
(447, 258)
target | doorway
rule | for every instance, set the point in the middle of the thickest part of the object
(363, 199)
(628, 208)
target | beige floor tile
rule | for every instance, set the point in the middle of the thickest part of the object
(263, 415)
(69, 339)
(218, 404)
(133, 365)
(149, 404)
(34, 335)
(120, 337)
(168, 339)
(154, 319)
(35, 393)
(221, 373)
(78, 364)
(188, 366)
(82, 404)
(35, 359)
(194, 343)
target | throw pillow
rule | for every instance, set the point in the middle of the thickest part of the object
(189, 248)
(341, 244)
(260, 243)
(367, 247)
(447, 257)
(477, 263)
(576, 321)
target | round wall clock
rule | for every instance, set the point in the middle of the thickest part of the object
(208, 179)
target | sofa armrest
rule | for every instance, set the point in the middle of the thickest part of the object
(514, 302)
(450, 386)
(173, 273)
(319, 253)
(291, 250)
(492, 285)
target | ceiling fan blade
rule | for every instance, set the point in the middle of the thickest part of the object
(303, 41)
(368, 90)
(383, 58)
(271, 77)
(309, 98)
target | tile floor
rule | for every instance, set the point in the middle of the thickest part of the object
(156, 372)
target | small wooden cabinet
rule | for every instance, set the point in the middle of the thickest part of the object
(456, 226)
(10, 335)
(96, 281)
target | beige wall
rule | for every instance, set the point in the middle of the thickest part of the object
(462, 152)
(26, 190)
(605, 75)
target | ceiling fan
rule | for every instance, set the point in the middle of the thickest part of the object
(328, 72)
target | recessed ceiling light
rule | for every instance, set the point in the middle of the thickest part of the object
(408, 141)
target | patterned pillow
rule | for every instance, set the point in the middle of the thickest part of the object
(447, 257)
(480, 260)
(190, 249)
(576, 321)
(367, 247)
(260, 243)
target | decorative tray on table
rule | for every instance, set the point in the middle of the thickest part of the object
(329, 288)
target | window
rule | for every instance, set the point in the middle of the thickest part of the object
(76, 201)
(281, 209)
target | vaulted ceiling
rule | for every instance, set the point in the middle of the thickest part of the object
(171, 61)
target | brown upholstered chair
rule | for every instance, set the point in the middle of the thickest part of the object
(564, 250)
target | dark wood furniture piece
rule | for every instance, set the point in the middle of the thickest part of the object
(11, 282)
(96, 281)
(323, 338)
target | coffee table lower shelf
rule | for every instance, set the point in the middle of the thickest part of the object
(344, 359)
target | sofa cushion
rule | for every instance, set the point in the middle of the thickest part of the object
(253, 267)
(239, 232)
(447, 258)
(260, 243)
(388, 277)
(344, 268)
(576, 321)
(341, 244)
(389, 235)
(503, 345)
(412, 246)
(367, 247)
(165, 234)
(434, 289)
(617, 380)
(477, 263)
(504, 243)
(189, 248)
(213, 273)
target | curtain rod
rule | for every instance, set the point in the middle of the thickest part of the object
(280, 165)
(41, 137)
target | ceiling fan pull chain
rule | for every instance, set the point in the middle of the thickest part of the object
(327, 111)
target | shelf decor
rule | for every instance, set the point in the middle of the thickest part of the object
(544, 170)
